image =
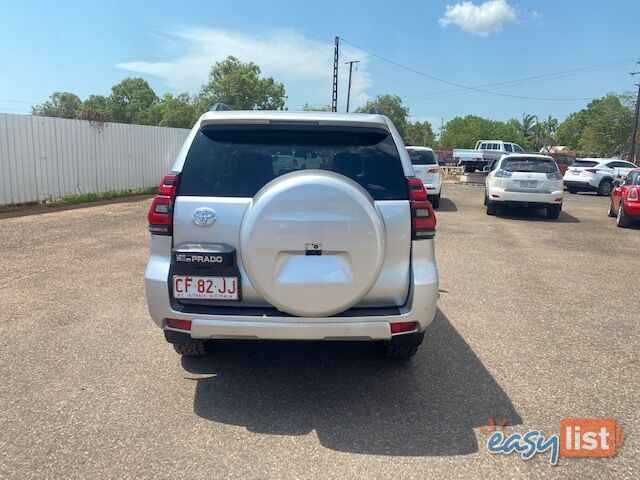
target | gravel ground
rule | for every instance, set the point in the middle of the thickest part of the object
(537, 321)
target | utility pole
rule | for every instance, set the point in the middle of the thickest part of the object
(634, 132)
(350, 71)
(334, 95)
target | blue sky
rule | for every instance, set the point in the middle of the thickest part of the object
(88, 47)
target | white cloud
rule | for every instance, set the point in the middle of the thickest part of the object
(483, 19)
(303, 64)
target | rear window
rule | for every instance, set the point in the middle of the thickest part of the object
(422, 157)
(230, 161)
(532, 164)
(584, 163)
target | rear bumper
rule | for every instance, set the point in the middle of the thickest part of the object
(433, 189)
(534, 199)
(578, 185)
(420, 307)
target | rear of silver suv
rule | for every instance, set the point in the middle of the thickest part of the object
(292, 226)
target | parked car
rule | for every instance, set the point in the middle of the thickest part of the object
(427, 169)
(526, 180)
(337, 245)
(485, 153)
(595, 174)
(624, 203)
(563, 161)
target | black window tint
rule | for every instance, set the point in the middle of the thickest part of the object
(230, 161)
(507, 147)
(518, 149)
(584, 163)
(422, 157)
(524, 164)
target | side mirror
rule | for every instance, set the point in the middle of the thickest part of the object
(486, 168)
(616, 183)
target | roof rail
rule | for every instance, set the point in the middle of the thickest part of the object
(375, 111)
(219, 107)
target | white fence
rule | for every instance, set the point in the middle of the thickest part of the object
(44, 157)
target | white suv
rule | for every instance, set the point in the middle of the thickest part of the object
(527, 180)
(596, 174)
(426, 168)
(292, 226)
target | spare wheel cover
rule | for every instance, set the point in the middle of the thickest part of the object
(301, 210)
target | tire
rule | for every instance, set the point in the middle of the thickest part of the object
(572, 190)
(435, 201)
(197, 348)
(553, 211)
(622, 220)
(605, 187)
(610, 209)
(468, 169)
(399, 352)
(486, 199)
(492, 208)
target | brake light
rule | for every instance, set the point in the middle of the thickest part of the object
(160, 215)
(423, 219)
(432, 170)
(591, 170)
(632, 195)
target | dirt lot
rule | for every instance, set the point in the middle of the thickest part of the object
(537, 321)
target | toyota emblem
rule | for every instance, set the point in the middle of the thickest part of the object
(203, 217)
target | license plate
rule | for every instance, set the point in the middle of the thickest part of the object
(205, 288)
(575, 172)
(528, 183)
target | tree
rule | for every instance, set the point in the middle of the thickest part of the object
(95, 109)
(178, 111)
(420, 134)
(464, 132)
(60, 104)
(239, 86)
(602, 128)
(134, 101)
(392, 107)
(312, 108)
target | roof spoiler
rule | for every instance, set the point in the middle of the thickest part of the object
(375, 111)
(219, 107)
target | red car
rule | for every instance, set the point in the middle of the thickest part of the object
(563, 161)
(625, 199)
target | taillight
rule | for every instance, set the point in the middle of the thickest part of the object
(632, 195)
(403, 327)
(423, 219)
(591, 170)
(160, 215)
(178, 324)
(432, 170)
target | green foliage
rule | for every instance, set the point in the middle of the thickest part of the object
(603, 128)
(464, 132)
(239, 86)
(60, 104)
(178, 111)
(134, 101)
(393, 108)
(419, 134)
(312, 108)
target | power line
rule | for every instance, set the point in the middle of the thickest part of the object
(459, 85)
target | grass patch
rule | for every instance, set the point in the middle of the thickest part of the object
(96, 197)
(83, 198)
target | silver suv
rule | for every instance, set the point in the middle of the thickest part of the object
(292, 226)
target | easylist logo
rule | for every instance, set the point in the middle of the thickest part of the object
(578, 437)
